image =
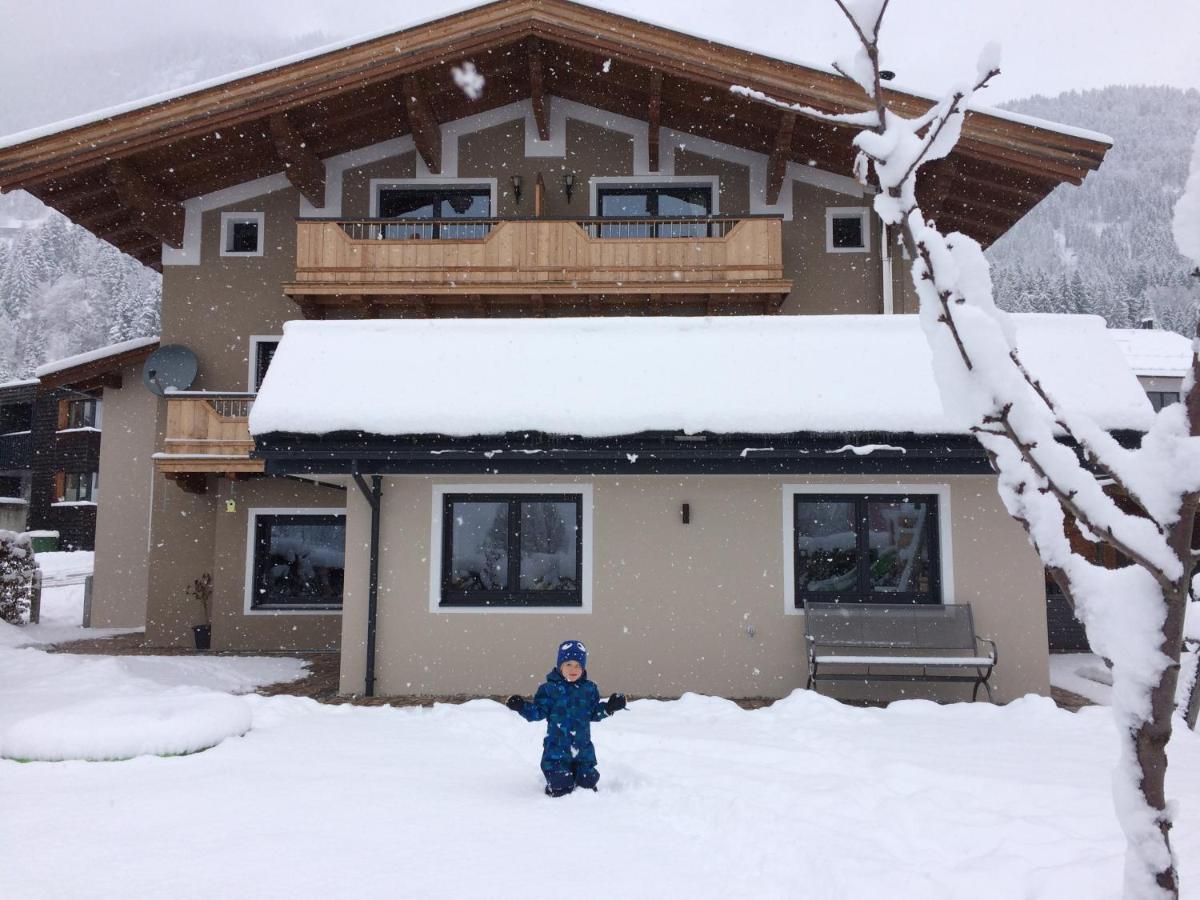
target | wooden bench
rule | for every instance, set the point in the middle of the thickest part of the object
(940, 641)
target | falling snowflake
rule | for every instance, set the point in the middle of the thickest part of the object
(607, 65)
(468, 79)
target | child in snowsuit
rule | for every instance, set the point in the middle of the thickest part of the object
(569, 703)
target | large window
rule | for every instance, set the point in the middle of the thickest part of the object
(868, 549)
(512, 550)
(299, 561)
(1159, 399)
(78, 414)
(654, 201)
(77, 487)
(428, 212)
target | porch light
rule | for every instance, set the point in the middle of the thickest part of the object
(568, 184)
(516, 186)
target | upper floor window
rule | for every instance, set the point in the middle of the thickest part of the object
(80, 413)
(428, 211)
(15, 417)
(847, 229)
(866, 549)
(242, 234)
(1159, 399)
(262, 351)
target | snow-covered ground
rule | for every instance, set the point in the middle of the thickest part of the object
(698, 799)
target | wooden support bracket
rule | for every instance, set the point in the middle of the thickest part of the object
(654, 117)
(155, 214)
(304, 168)
(426, 133)
(537, 90)
(781, 153)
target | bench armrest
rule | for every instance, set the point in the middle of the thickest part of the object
(991, 644)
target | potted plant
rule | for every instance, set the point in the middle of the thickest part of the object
(201, 591)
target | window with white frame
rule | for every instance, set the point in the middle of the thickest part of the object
(847, 229)
(514, 550)
(298, 560)
(242, 233)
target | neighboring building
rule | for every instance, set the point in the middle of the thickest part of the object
(16, 454)
(606, 170)
(81, 399)
(1160, 360)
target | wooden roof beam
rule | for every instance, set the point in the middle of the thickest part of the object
(537, 90)
(781, 153)
(654, 117)
(160, 217)
(304, 168)
(423, 124)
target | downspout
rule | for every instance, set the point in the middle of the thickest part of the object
(372, 495)
(889, 305)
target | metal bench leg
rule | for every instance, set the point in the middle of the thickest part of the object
(982, 681)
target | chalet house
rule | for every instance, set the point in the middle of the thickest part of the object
(594, 347)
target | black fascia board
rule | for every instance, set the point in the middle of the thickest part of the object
(646, 453)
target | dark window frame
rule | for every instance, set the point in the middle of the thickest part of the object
(261, 364)
(260, 562)
(671, 227)
(79, 487)
(440, 195)
(81, 413)
(512, 597)
(863, 592)
(1161, 399)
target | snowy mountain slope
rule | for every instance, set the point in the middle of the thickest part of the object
(1106, 247)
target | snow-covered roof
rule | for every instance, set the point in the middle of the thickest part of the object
(404, 23)
(1152, 352)
(18, 382)
(614, 376)
(91, 356)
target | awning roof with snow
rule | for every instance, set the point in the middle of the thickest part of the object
(1152, 352)
(605, 377)
(123, 173)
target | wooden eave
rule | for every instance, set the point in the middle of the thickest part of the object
(96, 373)
(355, 96)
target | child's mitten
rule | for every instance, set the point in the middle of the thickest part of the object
(615, 702)
(517, 703)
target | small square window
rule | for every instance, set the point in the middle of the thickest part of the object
(242, 234)
(847, 230)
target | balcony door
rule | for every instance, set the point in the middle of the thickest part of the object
(629, 204)
(429, 213)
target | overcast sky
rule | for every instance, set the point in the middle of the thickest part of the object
(62, 52)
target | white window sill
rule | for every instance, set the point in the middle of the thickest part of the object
(83, 428)
(74, 503)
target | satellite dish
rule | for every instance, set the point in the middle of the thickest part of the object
(172, 367)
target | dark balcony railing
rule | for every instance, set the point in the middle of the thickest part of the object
(594, 227)
(16, 451)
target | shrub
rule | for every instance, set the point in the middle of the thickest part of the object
(18, 569)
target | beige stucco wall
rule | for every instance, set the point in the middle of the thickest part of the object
(672, 604)
(127, 481)
(196, 534)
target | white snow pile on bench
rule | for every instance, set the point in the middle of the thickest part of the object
(610, 376)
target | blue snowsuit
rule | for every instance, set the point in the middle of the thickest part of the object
(568, 755)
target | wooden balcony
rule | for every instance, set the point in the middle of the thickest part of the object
(207, 433)
(540, 266)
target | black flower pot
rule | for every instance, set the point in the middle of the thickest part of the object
(203, 635)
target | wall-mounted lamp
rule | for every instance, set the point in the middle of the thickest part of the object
(516, 186)
(568, 184)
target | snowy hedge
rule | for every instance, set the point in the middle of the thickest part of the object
(18, 569)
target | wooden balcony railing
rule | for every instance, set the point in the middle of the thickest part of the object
(379, 259)
(208, 432)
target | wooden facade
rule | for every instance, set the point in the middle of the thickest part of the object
(608, 261)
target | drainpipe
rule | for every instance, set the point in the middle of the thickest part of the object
(372, 495)
(889, 305)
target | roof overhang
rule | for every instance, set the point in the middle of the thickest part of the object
(124, 176)
(656, 453)
(97, 372)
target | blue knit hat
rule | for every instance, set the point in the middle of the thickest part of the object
(571, 650)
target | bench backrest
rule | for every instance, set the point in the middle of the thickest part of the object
(909, 627)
